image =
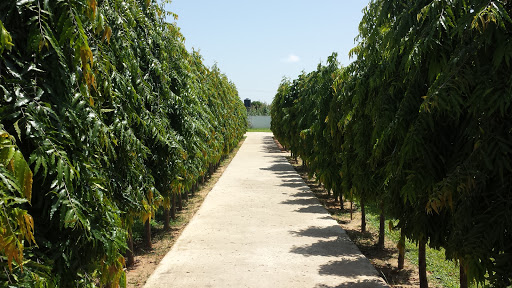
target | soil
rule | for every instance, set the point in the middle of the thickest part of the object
(162, 241)
(385, 261)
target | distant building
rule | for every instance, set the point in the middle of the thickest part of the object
(247, 103)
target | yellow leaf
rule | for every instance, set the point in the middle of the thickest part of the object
(121, 261)
(92, 6)
(91, 101)
(27, 184)
(107, 34)
(29, 224)
(86, 56)
(146, 217)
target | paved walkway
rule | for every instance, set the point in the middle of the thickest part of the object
(261, 226)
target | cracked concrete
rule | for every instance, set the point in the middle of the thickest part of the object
(261, 226)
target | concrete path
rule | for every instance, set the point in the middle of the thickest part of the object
(261, 226)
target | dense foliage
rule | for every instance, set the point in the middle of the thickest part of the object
(258, 108)
(104, 116)
(420, 124)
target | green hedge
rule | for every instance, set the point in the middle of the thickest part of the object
(419, 124)
(103, 104)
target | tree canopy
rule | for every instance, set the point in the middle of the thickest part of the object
(104, 115)
(419, 120)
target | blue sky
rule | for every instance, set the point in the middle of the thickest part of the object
(257, 43)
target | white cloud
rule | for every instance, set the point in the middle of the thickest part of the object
(292, 58)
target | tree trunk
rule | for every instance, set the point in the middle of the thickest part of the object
(180, 202)
(342, 203)
(463, 275)
(186, 196)
(351, 210)
(422, 263)
(173, 207)
(401, 250)
(381, 227)
(167, 216)
(147, 234)
(363, 217)
(130, 257)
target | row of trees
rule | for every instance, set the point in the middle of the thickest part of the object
(104, 118)
(420, 126)
(258, 108)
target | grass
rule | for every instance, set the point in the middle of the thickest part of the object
(259, 130)
(443, 271)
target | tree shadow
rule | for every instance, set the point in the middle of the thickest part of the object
(348, 267)
(290, 176)
(293, 184)
(304, 198)
(280, 167)
(330, 248)
(270, 146)
(318, 209)
(277, 158)
(319, 232)
(303, 193)
(303, 201)
(282, 174)
(367, 283)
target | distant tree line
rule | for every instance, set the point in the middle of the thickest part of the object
(258, 108)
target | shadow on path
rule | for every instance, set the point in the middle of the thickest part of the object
(318, 232)
(356, 284)
(269, 145)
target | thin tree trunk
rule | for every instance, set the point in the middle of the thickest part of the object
(147, 234)
(422, 264)
(180, 202)
(342, 203)
(351, 210)
(381, 227)
(130, 257)
(463, 275)
(186, 195)
(167, 216)
(363, 217)
(173, 207)
(401, 250)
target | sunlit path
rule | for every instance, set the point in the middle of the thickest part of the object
(261, 226)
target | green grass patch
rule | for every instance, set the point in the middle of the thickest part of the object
(444, 272)
(258, 130)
